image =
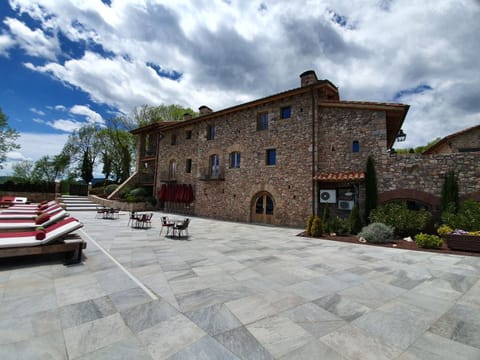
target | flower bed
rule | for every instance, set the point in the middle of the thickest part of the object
(463, 242)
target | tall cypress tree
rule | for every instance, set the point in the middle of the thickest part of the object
(450, 192)
(371, 190)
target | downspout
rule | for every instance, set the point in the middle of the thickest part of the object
(314, 184)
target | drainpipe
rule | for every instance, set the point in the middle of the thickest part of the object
(314, 134)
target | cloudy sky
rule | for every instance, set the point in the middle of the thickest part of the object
(67, 63)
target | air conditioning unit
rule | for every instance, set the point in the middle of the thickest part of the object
(345, 204)
(328, 196)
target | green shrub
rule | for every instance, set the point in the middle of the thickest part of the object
(377, 233)
(339, 226)
(405, 222)
(317, 228)
(308, 228)
(444, 230)
(355, 220)
(110, 189)
(428, 241)
(467, 218)
(139, 192)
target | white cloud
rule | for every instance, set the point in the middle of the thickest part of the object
(33, 146)
(92, 116)
(6, 42)
(65, 125)
(34, 42)
(36, 111)
(230, 52)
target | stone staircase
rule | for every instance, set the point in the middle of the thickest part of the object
(78, 203)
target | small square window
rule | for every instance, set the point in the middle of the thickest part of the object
(188, 134)
(211, 132)
(271, 157)
(173, 139)
(286, 112)
(262, 121)
(356, 146)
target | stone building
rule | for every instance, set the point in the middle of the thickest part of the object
(278, 159)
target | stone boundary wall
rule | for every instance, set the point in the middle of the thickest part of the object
(32, 197)
(124, 206)
(424, 175)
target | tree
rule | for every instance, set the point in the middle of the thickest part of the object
(23, 170)
(82, 148)
(118, 150)
(371, 191)
(7, 138)
(449, 198)
(145, 114)
(86, 171)
(43, 170)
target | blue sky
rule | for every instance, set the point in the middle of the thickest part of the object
(67, 63)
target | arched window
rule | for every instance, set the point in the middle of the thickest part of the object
(172, 170)
(214, 166)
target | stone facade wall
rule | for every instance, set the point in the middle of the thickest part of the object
(468, 140)
(289, 181)
(337, 130)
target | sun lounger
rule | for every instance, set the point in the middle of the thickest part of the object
(51, 240)
(36, 210)
(44, 219)
(6, 201)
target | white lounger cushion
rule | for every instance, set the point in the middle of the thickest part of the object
(27, 224)
(69, 225)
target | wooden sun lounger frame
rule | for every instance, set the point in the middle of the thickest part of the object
(72, 248)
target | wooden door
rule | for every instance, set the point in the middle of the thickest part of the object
(263, 208)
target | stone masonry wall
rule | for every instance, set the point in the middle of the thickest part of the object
(426, 173)
(289, 181)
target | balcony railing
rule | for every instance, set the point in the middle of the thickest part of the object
(209, 174)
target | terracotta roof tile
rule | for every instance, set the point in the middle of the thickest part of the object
(340, 176)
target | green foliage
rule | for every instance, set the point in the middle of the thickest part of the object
(371, 190)
(339, 226)
(405, 222)
(8, 136)
(326, 218)
(23, 170)
(355, 220)
(449, 196)
(444, 230)
(467, 217)
(110, 189)
(145, 114)
(139, 192)
(428, 241)
(377, 233)
(308, 228)
(317, 228)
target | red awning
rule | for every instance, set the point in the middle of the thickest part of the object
(340, 176)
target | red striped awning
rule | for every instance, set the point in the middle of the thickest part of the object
(340, 176)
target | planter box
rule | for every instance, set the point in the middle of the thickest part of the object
(463, 242)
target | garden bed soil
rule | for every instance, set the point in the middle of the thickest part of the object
(397, 244)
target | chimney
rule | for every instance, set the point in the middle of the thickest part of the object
(187, 116)
(308, 78)
(204, 110)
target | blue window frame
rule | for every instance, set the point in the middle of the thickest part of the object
(356, 146)
(285, 112)
(235, 160)
(262, 121)
(271, 158)
(211, 132)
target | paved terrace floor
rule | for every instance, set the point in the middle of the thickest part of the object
(238, 291)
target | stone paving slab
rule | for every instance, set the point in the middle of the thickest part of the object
(237, 291)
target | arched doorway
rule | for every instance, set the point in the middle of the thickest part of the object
(263, 208)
